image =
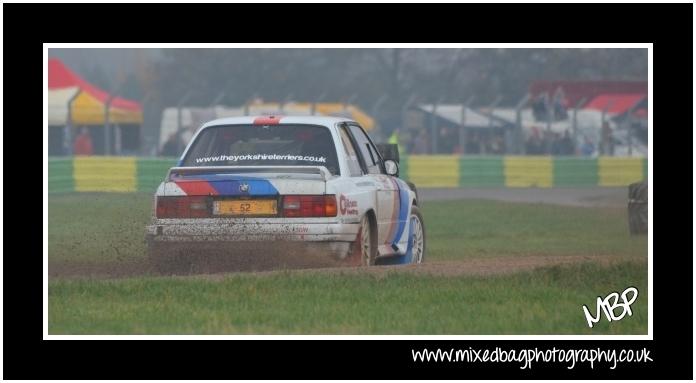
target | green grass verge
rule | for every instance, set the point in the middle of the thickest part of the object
(545, 301)
(97, 227)
(110, 226)
(457, 229)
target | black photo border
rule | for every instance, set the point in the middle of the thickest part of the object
(27, 26)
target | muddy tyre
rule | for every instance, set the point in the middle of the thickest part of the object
(364, 249)
(638, 208)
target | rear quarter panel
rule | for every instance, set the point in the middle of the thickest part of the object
(353, 201)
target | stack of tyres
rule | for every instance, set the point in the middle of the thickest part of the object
(638, 208)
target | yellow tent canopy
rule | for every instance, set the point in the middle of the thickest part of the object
(90, 104)
(89, 110)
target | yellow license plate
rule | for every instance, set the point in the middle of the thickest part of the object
(246, 207)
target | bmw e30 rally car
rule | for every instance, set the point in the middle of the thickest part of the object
(274, 179)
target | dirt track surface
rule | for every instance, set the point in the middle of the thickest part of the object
(185, 261)
(469, 267)
(588, 196)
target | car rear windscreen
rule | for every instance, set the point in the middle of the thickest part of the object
(263, 145)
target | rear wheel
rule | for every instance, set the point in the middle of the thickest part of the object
(364, 249)
(415, 252)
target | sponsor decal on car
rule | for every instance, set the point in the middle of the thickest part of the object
(257, 157)
(348, 206)
(300, 229)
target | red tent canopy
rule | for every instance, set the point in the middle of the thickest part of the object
(574, 91)
(60, 76)
(616, 103)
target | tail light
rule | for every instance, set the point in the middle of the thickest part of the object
(183, 207)
(309, 206)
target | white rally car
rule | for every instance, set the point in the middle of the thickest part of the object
(305, 179)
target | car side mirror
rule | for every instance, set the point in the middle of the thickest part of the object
(391, 167)
(389, 152)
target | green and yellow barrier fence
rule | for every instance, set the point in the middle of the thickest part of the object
(528, 171)
(570, 171)
(106, 174)
(433, 171)
(60, 175)
(619, 171)
(521, 171)
(481, 171)
(111, 174)
(131, 174)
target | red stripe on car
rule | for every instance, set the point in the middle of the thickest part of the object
(267, 120)
(197, 187)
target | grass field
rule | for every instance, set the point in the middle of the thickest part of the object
(546, 301)
(483, 228)
(109, 227)
(96, 227)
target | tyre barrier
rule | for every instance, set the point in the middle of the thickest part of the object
(133, 174)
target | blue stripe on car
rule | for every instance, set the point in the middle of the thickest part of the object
(403, 211)
(408, 258)
(256, 187)
(401, 259)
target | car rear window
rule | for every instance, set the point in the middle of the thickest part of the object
(263, 145)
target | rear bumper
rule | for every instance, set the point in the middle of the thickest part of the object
(249, 230)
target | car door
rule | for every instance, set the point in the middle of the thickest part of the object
(388, 199)
(355, 192)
